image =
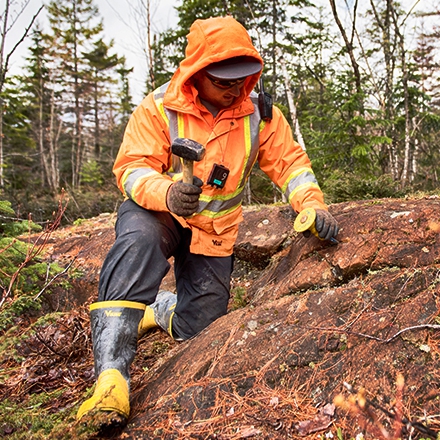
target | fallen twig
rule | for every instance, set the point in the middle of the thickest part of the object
(54, 278)
(375, 338)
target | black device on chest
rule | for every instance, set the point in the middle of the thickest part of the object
(218, 176)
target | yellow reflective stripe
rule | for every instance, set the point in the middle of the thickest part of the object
(248, 146)
(170, 322)
(159, 103)
(208, 199)
(180, 125)
(262, 125)
(294, 175)
(117, 304)
(301, 188)
(124, 180)
(170, 325)
(176, 176)
(132, 178)
(138, 182)
(213, 215)
(225, 198)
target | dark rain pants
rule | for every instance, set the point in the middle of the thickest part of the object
(138, 261)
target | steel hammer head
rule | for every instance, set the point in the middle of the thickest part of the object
(188, 149)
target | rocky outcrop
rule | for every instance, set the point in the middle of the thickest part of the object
(318, 322)
(361, 313)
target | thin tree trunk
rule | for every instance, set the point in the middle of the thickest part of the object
(385, 26)
(40, 133)
(77, 136)
(348, 46)
(97, 120)
(2, 82)
(54, 135)
(290, 100)
(274, 45)
(414, 167)
(149, 48)
(407, 147)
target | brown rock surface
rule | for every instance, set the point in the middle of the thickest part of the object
(318, 319)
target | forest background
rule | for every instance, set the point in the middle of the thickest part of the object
(358, 81)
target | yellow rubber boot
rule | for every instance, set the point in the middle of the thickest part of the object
(111, 394)
(114, 336)
(147, 322)
(159, 314)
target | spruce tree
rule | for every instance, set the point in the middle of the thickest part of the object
(101, 79)
(75, 25)
(44, 112)
(18, 149)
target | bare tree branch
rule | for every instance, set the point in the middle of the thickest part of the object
(349, 47)
(375, 338)
(23, 37)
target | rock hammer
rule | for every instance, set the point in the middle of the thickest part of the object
(189, 151)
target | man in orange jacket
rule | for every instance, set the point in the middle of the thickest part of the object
(210, 100)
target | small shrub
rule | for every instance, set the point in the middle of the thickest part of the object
(12, 311)
(239, 299)
(10, 226)
(34, 417)
(341, 187)
(22, 276)
(91, 174)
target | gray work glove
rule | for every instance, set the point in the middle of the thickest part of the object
(183, 198)
(326, 225)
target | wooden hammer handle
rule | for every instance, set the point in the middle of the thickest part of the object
(188, 171)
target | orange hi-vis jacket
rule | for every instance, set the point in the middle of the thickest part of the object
(236, 138)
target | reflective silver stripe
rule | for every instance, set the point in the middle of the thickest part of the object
(171, 118)
(132, 179)
(173, 127)
(299, 181)
(218, 205)
(159, 93)
(302, 188)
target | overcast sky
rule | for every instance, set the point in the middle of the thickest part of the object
(120, 24)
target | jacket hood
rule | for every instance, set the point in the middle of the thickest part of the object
(210, 41)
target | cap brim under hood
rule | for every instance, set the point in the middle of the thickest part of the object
(234, 68)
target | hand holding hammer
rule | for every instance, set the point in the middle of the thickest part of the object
(183, 196)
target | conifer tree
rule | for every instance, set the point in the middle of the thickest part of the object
(101, 63)
(8, 18)
(45, 118)
(18, 148)
(425, 161)
(75, 25)
(125, 107)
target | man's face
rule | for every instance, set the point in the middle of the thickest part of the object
(219, 93)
